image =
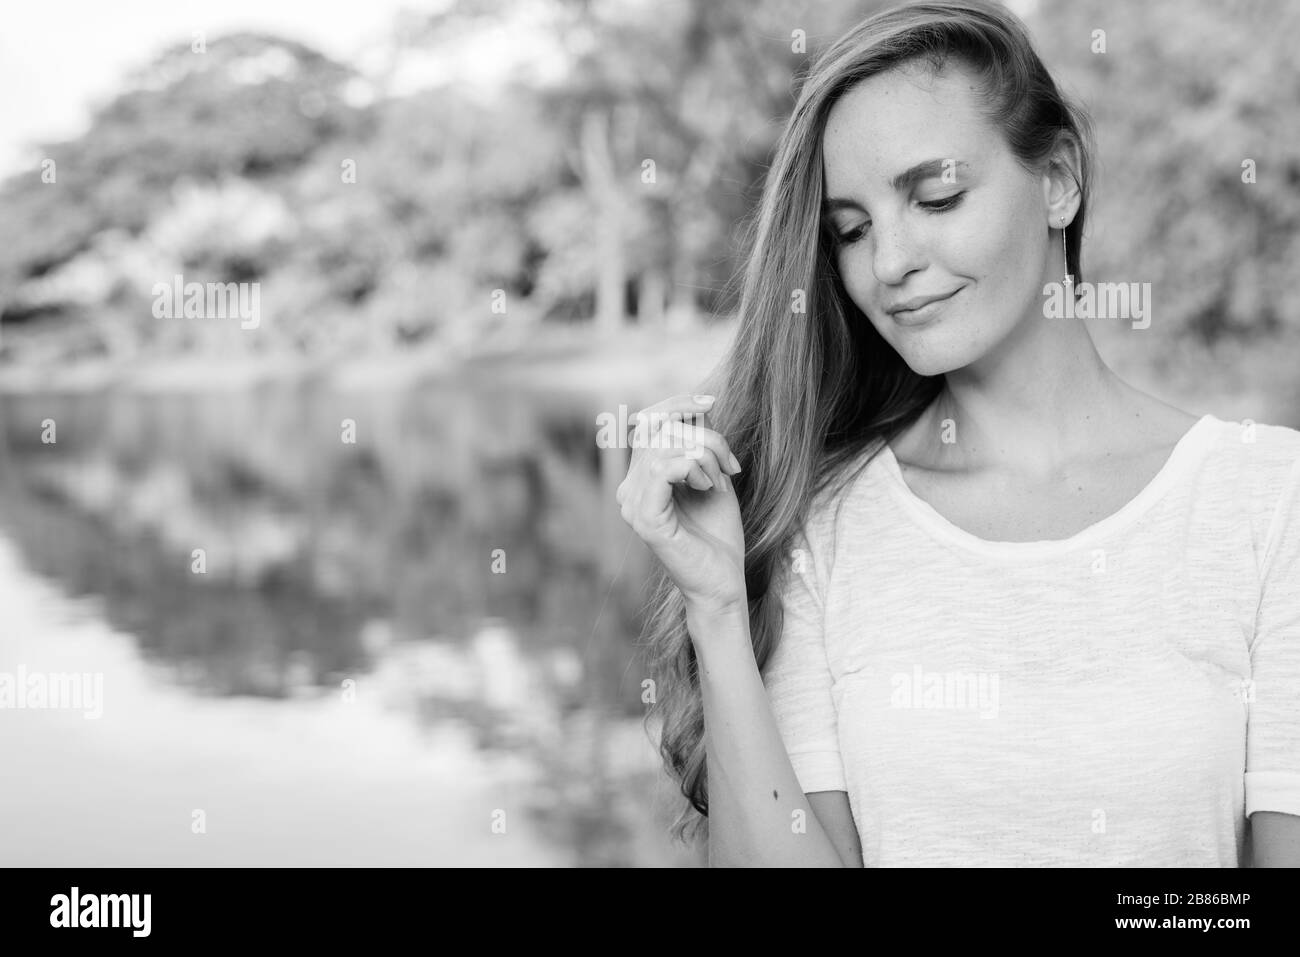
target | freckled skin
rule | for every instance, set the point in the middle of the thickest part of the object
(1045, 428)
(995, 242)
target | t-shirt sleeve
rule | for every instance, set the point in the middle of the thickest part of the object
(797, 676)
(1273, 729)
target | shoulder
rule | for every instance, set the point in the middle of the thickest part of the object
(831, 501)
(1264, 446)
(1259, 451)
(1244, 451)
(1254, 468)
(843, 480)
(1148, 424)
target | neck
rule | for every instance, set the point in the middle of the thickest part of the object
(1041, 398)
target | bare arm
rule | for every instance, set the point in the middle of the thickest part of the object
(836, 816)
(758, 815)
(1275, 839)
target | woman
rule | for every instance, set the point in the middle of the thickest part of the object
(972, 599)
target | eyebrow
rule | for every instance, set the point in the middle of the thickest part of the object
(904, 180)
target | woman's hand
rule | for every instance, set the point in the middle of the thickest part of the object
(678, 500)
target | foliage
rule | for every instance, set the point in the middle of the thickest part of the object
(613, 191)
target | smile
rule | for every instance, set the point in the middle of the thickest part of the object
(914, 317)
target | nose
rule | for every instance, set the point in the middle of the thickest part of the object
(897, 252)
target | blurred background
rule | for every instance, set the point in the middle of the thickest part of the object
(412, 633)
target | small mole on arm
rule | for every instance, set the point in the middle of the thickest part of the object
(773, 795)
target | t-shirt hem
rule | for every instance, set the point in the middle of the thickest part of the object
(1273, 791)
(819, 771)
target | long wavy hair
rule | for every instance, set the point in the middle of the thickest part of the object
(808, 383)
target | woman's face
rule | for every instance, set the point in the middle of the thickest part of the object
(930, 202)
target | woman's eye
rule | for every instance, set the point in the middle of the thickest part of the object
(933, 206)
(939, 205)
(852, 236)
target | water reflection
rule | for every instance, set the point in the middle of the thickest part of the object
(339, 672)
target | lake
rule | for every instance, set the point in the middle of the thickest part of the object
(332, 628)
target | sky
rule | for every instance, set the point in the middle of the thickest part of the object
(60, 58)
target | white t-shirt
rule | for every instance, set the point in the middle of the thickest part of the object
(1123, 697)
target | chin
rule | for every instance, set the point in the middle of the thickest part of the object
(932, 366)
(933, 352)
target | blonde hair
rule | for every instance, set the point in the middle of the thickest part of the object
(802, 393)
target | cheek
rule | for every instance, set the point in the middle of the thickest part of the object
(997, 244)
(855, 268)
(1010, 250)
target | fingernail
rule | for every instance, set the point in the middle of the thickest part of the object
(735, 462)
(703, 399)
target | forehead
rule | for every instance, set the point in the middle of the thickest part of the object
(901, 117)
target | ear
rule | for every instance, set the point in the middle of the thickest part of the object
(1062, 193)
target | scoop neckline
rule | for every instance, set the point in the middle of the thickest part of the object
(1186, 451)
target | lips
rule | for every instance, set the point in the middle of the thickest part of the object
(920, 308)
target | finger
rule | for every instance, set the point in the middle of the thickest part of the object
(709, 463)
(657, 493)
(682, 403)
(690, 408)
(651, 427)
(697, 477)
(690, 436)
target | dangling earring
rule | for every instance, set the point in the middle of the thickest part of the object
(1065, 252)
